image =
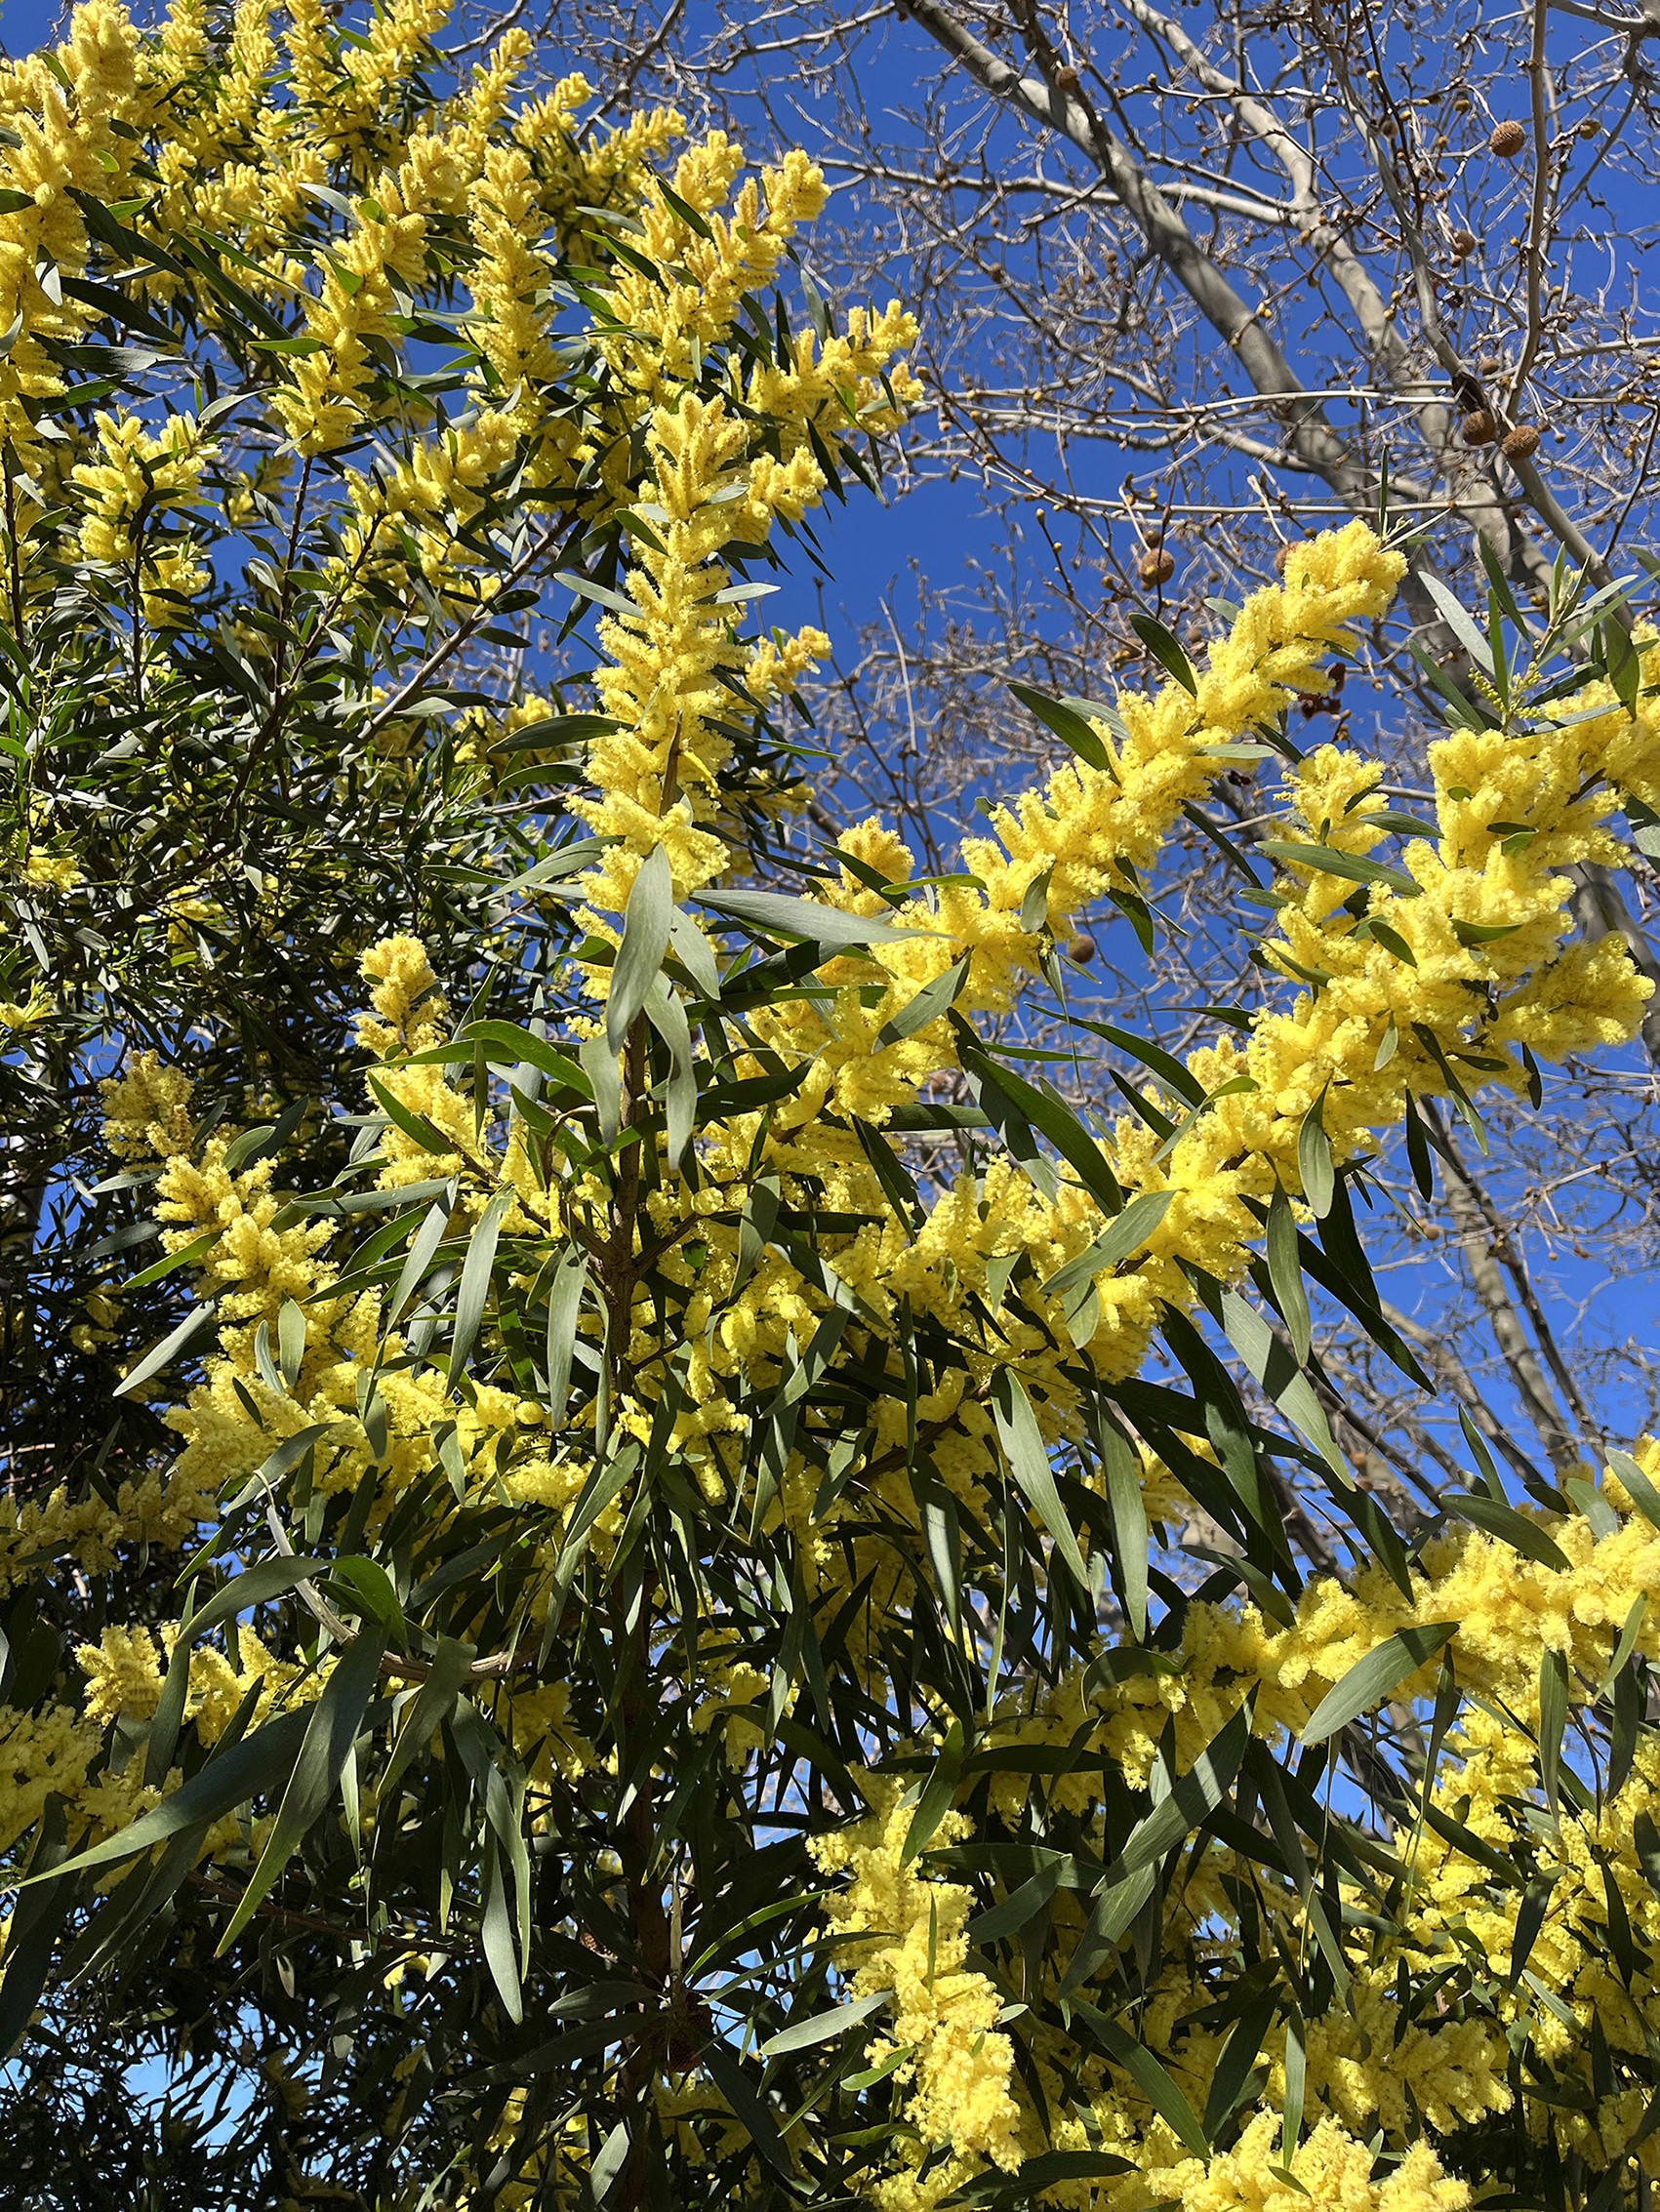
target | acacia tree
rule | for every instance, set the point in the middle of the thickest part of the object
(1192, 282)
(651, 1679)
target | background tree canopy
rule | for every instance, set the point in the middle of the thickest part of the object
(680, 1529)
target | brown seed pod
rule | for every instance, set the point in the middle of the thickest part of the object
(1463, 244)
(1477, 427)
(1588, 127)
(1521, 443)
(1080, 948)
(1507, 140)
(1156, 566)
(1066, 78)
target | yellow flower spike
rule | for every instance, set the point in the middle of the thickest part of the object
(959, 2074)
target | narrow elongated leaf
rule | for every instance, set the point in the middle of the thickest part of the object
(1271, 1788)
(1066, 723)
(1234, 2068)
(372, 1589)
(824, 2027)
(613, 602)
(1313, 1158)
(1529, 1919)
(1193, 1798)
(929, 1003)
(1637, 1614)
(747, 2107)
(418, 1263)
(476, 1271)
(604, 1484)
(1459, 620)
(1495, 1518)
(645, 940)
(1296, 2084)
(668, 1017)
(1271, 1366)
(256, 1584)
(1162, 644)
(999, 1113)
(160, 1354)
(693, 951)
(414, 1126)
(1127, 1514)
(599, 1064)
(1370, 1680)
(1028, 1462)
(1641, 1490)
(1149, 2077)
(938, 1791)
(496, 1933)
(232, 1774)
(1286, 1275)
(609, 2162)
(1009, 1917)
(1553, 1721)
(891, 1173)
(187, 1255)
(1115, 1906)
(1647, 1841)
(505, 1045)
(331, 1730)
(1129, 1232)
(1179, 1080)
(432, 1707)
(290, 1340)
(1351, 866)
(805, 920)
(1052, 1119)
(35, 1925)
(564, 1307)
(1224, 844)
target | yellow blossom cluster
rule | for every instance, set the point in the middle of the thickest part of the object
(742, 1249)
(953, 2063)
(367, 1409)
(1329, 2170)
(127, 495)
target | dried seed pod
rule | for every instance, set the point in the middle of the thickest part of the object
(1521, 443)
(1066, 78)
(1156, 567)
(1588, 127)
(1461, 104)
(1507, 140)
(1477, 427)
(1463, 244)
(1080, 948)
(1154, 535)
